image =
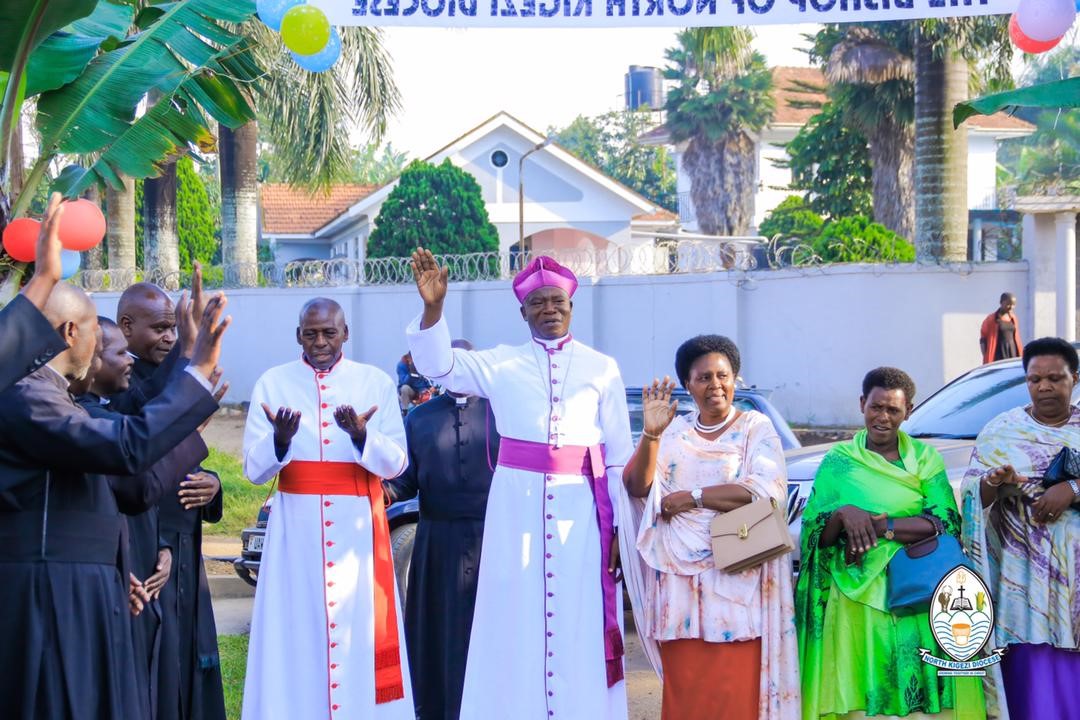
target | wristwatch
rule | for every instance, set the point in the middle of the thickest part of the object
(889, 534)
(696, 494)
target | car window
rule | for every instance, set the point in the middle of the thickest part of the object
(962, 408)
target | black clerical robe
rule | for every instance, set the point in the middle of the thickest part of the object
(189, 684)
(27, 341)
(66, 649)
(453, 448)
(138, 498)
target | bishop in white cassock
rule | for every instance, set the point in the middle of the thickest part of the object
(326, 635)
(546, 638)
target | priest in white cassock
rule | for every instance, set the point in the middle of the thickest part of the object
(326, 635)
(546, 638)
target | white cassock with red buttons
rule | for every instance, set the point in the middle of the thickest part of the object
(311, 654)
(537, 645)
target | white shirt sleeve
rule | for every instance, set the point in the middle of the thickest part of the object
(615, 425)
(384, 449)
(460, 371)
(260, 458)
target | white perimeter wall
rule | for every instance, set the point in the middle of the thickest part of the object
(808, 335)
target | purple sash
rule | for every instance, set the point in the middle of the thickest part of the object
(589, 462)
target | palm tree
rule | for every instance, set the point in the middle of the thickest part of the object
(161, 248)
(945, 53)
(723, 99)
(307, 118)
(871, 75)
(120, 233)
(895, 75)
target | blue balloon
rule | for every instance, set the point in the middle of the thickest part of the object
(325, 58)
(70, 260)
(271, 11)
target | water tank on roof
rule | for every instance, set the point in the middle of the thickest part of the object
(644, 87)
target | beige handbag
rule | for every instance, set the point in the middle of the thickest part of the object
(750, 535)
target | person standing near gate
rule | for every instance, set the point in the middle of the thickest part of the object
(453, 446)
(999, 336)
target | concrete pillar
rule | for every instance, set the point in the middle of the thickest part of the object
(1040, 315)
(1065, 252)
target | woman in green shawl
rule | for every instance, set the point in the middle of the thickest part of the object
(871, 496)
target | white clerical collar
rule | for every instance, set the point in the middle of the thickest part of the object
(553, 345)
(328, 370)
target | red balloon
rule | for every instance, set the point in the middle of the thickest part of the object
(82, 226)
(20, 239)
(1025, 43)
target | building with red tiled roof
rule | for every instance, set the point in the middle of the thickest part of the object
(794, 96)
(567, 204)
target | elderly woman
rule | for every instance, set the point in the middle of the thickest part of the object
(727, 641)
(1026, 537)
(871, 496)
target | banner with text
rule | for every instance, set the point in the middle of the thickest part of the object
(644, 13)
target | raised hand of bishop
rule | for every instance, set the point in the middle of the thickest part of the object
(431, 283)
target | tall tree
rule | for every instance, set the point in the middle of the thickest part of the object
(306, 117)
(876, 64)
(120, 226)
(721, 101)
(238, 164)
(871, 73)
(90, 64)
(438, 206)
(195, 221)
(609, 142)
(161, 251)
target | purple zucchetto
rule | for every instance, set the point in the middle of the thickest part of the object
(543, 272)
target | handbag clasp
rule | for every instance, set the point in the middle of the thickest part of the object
(744, 531)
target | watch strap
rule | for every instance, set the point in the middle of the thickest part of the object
(889, 534)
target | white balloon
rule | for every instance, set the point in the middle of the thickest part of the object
(1045, 20)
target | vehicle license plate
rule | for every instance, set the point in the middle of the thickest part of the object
(255, 543)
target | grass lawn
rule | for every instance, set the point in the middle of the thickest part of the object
(242, 499)
(233, 650)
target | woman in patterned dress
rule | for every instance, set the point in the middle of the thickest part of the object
(727, 641)
(1026, 539)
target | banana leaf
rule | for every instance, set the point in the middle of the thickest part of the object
(1057, 94)
(25, 23)
(185, 53)
(91, 112)
(173, 124)
(66, 53)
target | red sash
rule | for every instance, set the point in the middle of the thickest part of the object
(341, 478)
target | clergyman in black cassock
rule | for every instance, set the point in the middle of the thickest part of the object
(453, 447)
(66, 650)
(138, 496)
(189, 684)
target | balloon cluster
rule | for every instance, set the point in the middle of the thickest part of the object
(1039, 25)
(305, 30)
(82, 226)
